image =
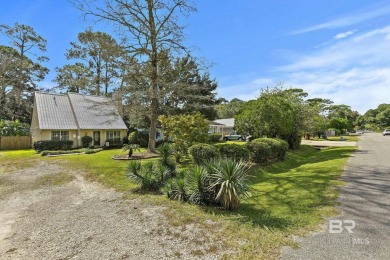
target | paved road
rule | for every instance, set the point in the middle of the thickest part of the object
(328, 143)
(365, 200)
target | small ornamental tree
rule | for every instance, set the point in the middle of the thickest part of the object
(185, 130)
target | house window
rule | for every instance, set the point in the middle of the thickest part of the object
(113, 137)
(60, 135)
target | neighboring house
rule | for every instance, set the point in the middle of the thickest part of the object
(71, 116)
(222, 126)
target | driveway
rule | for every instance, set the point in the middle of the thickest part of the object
(364, 206)
(328, 143)
(48, 211)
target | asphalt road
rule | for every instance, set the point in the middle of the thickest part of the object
(365, 203)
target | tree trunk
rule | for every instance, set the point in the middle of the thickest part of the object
(154, 78)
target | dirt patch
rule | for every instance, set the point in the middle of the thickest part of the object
(50, 212)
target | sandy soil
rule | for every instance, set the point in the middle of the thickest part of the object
(44, 218)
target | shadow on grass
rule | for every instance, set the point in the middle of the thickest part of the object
(294, 193)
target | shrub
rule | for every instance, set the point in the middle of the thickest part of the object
(176, 189)
(203, 152)
(278, 147)
(199, 186)
(130, 148)
(293, 140)
(259, 152)
(166, 150)
(86, 141)
(234, 151)
(150, 176)
(231, 178)
(215, 138)
(140, 138)
(52, 145)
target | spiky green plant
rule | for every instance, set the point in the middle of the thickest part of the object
(198, 182)
(150, 176)
(165, 151)
(178, 189)
(131, 148)
(231, 178)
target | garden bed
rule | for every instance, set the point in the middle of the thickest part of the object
(136, 156)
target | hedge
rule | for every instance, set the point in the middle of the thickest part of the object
(259, 152)
(86, 141)
(215, 138)
(52, 145)
(203, 152)
(278, 147)
(234, 151)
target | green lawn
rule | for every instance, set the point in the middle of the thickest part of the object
(287, 198)
(348, 138)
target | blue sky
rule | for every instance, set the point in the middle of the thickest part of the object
(332, 49)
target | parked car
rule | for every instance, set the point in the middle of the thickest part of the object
(359, 132)
(386, 132)
(234, 136)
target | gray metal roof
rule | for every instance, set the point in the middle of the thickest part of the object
(54, 112)
(228, 122)
(95, 112)
(76, 111)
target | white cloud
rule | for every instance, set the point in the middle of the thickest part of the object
(349, 20)
(343, 35)
(354, 71)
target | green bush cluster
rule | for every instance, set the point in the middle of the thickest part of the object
(219, 182)
(258, 152)
(52, 145)
(267, 149)
(86, 141)
(278, 147)
(215, 138)
(201, 153)
(234, 151)
(140, 138)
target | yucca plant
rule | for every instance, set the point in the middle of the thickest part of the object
(165, 151)
(150, 176)
(176, 189)
(231, 179)
(199, 186)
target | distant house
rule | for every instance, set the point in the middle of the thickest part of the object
(72, 116)
(222, 126)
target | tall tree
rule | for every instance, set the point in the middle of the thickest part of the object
(276, 113)
(149, 27)
(29, 70)
(100, 51)
(229, 109)
(73, 77)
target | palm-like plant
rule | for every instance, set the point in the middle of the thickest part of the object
(198, 182)
(150, 176)
(231, 178)
(165, 151)
(131, 148)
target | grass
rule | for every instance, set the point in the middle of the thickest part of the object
(348, 138)
(287, 198)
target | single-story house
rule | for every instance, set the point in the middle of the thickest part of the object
(222, 126)
(71, 116)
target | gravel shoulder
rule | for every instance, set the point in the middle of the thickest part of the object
(365, 200)
(49, 212)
